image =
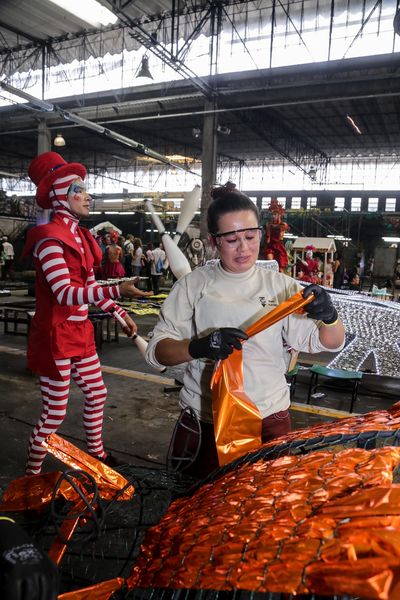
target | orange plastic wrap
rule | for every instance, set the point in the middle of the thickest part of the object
(108, 481)
(320, 523)
(67, 529)
(237, 421)
(101, 591)
(34, 492)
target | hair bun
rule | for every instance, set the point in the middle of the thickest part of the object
(219, 191)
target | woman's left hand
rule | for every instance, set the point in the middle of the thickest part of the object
(320, 309)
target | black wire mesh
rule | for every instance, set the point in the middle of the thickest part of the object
(114, 551)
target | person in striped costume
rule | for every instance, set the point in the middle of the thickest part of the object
(61, 339)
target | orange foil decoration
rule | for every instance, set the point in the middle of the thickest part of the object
(34, 492)
(237, 420)
(323, 523)
(108, 481)
(100, 591)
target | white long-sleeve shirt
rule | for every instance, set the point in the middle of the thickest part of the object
(211, 297)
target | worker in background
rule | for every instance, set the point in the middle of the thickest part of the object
(8, 259)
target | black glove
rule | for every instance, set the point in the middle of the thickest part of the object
(320, 309)
(218, 344)
(26, 572)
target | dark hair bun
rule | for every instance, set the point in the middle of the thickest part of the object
(219, 191)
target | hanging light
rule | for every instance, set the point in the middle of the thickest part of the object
(312, 173)
(144, 70)
(59, 140)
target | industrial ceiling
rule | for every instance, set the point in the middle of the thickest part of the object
(305, 114)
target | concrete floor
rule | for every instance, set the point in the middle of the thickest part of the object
(140, 413)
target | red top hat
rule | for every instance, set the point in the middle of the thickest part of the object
(45, 169)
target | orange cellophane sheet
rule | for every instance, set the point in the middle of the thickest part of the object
(58, 548)
(237, 420)
(100, 591)
(319, 523)
(108, 481)
(34, 492)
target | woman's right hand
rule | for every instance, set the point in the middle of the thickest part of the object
(219, 344)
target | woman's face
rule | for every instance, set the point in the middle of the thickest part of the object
(238, 240)
(79, 199)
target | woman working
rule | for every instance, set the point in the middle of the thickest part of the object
(204, 318)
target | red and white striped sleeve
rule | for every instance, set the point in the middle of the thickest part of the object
(106, 304)
(50, 255)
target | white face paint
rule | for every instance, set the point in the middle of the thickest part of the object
(78, 199)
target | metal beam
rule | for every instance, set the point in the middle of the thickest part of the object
(113, 135)
(150, 42)
(27, 36)
(283, 141)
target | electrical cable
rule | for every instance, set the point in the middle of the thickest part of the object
(188, 410)
(93, 511)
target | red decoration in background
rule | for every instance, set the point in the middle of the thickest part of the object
(274, 249)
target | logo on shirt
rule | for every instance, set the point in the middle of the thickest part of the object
(264, 302)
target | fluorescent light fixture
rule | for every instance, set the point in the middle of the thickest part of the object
(36, 101)
(95, 212)
(111, 212)
(8, 174)
(149, 230)
(127, 212)
(110, 201)
(394, 240)
(171, 199)
(136, 199)
(197, 212)
(90, 11)
(172, 212)
(353, 124)
(155, 212)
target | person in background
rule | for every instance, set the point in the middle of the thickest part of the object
(8, 257)
(329, 272)
(113, 268)
(338, 271)
(156, 258)
(1, 259)
(204, 318)
(353, 280)
(137, 256)
(128, 255)
(61, 341)
(26, 572)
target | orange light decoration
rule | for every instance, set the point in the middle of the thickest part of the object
(318, 523)
(237, 420)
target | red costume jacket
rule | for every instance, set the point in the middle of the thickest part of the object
(45, 342)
